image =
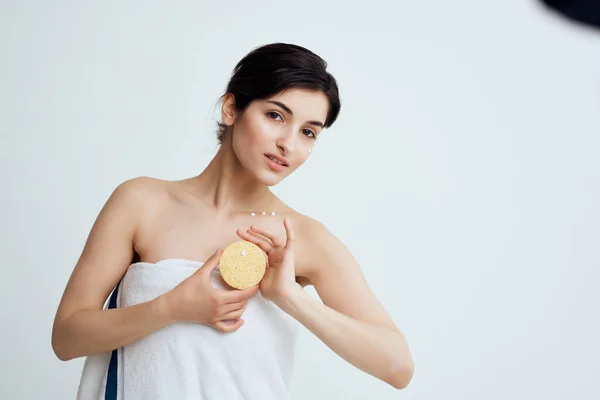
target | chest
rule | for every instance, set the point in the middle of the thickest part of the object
(177, 233)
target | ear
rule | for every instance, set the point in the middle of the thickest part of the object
(228, 109)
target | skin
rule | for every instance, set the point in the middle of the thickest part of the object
(149, 220)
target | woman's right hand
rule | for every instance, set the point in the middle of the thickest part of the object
(195, 299)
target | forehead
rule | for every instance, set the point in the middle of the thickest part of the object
(305, 104)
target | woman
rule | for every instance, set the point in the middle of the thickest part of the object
(173, 328)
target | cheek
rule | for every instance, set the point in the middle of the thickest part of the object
(257, 130)
(300, 159)
(248, 133)
(251, 137)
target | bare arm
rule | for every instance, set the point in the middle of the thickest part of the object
(350, 321)
(81, 326)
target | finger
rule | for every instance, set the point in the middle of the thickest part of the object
(229, 327)
(211, 263)
(277, 242)
(289, 231)
(260, 237)
(227, 308)
(258, 240)
(235, 296)
(232, 315)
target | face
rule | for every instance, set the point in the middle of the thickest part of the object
(284, 127)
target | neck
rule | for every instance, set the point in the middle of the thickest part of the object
(229, 188)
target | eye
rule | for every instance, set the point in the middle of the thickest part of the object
(309, 132)
(271, 113)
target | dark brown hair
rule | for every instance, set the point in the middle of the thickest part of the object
(273, 68)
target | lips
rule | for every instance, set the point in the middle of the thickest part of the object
(274, 166)
(278, 159)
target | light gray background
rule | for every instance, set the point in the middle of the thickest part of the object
(462, 173)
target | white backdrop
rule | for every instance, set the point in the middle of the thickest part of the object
(465, 166)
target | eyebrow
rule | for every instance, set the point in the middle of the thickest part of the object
(287, 109)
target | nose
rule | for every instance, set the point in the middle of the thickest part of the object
(287, 140)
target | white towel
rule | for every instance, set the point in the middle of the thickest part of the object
(190, 360)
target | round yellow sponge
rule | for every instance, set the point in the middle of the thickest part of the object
(242, 264)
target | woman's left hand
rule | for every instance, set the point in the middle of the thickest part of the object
(279, 281)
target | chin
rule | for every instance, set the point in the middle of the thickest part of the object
(270, 180)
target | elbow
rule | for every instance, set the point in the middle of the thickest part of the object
(62, 351)
(61, 356)
(58, 350)
(58, 353)
(58, 345)
(401, 376)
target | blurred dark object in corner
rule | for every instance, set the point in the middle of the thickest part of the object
(583, 11)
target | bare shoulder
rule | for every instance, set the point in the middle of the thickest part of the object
(309, 230)
(122, 215)
(314, 233)
(145, 193)
(141, 187)
(316, 245)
